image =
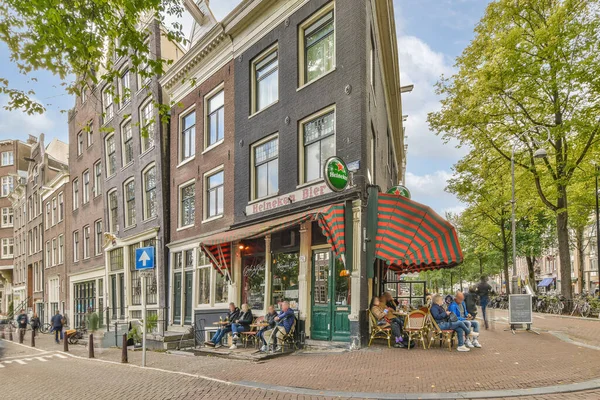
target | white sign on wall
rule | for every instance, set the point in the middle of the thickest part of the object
(273, 203)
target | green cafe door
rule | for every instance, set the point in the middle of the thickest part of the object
(330, 298)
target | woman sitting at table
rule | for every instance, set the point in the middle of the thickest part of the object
(389, 301)
(385, 319)
(242, 324)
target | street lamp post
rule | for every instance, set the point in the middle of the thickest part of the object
(597, 226)
(539, 153)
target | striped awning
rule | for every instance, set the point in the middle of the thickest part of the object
(218, 247)
(411, 237)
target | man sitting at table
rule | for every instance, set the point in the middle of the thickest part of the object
(459, 309)
(232, 315)
(284, 321)
(241, 324)
(270, 320)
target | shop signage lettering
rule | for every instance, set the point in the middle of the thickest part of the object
(290, 198)
(252, 270)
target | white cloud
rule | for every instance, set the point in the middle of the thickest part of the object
(429, 189)
(19, 125)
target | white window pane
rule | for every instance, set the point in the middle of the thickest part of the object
(261, 180)
(216, 101)
(312, 161)
(220, 200)
(273, 176)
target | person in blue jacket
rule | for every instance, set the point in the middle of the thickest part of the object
(284, 320)
(443, 319)
(458, 308)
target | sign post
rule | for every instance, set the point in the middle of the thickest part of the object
(144, 262)
(520, 312)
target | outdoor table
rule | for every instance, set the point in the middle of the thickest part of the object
(260, 325)
(221, 323)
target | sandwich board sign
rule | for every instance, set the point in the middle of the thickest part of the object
(520, 311)
(144, 258)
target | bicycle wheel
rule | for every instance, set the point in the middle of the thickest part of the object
(585, 310)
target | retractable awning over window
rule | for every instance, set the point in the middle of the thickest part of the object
(411, 237)
(330, 218)
(546, 282)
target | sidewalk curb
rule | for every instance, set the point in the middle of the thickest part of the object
(484, 394)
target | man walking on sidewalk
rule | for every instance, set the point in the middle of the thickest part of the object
(483, 290)
(22, 325)
(57, 325)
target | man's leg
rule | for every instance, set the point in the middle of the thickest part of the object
(475, 325)
(484, 302)
(217, 338)
(280, 333)
(234, 328)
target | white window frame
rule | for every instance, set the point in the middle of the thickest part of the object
(179, 204)
(98, 237)
(61, 207)
(145, 193)
(90, 133)
(54, 252)
(253, 177)
(80, 143)
(97, 188)
(75, 246)
(108, 155)
(61, 249)
(254, 82)
(86, 242)
(182, 135)
(129, 125)
(205, 197)
(108, 104)
(151, 126)
(6, 246)
(112, 222)
(86, 186)
(304, 121)
(125, 98)
(48, 260)
(75, 194)
(302, 46)
(8, 217)
(126, 211)
(8, 158)
(7, 184)
(220, 88)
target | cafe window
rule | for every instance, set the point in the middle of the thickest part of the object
(265, 82)
(136, 281)
(116, 259)
(285, 268)
(253, 271)
(318, 144)
(265, 174)
(220, 288)
(204, 284)
(317, 45)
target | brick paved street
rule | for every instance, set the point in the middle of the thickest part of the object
(507, 361)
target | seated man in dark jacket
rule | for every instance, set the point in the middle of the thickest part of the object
(284, 320)
(242, 324)
(269, 319)
(232, 315)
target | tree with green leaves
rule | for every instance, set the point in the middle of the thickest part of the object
(73, 38)
(531, 72)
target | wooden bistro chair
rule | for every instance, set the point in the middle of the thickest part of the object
(416, 325)
(290, 337)
(379, 332)
(251, 334)
(443, 335)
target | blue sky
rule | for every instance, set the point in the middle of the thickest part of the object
(431, 33)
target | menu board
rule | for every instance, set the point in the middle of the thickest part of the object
(519, 309)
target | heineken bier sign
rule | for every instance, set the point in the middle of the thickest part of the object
(399, 190)
(336, 174)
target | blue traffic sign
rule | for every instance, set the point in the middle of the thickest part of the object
(144, 258)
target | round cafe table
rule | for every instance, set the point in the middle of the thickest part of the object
(221, 323)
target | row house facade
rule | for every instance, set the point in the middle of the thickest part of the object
(264, 98)
(135, 153)
(44, 164)
(13, 167)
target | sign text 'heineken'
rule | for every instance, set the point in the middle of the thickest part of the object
(399, 190)
(336, 174)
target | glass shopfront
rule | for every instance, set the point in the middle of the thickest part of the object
(253, 269)
(284, 286)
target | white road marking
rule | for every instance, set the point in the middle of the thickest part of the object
(41, 359)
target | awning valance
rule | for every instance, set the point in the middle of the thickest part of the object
(411, 237)
(546, 282)
(330, 218)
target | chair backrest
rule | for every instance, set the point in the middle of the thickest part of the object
(434, 323)
(416, 320)
(372, 318)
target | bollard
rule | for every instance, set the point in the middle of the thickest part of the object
(10, 336)
(21, 335)
(91, 346)
(32, 338)
(65, 343)
(124, 349)
(3, 335)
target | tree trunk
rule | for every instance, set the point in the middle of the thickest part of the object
(580, 247)
(531, 271)
(564, 252)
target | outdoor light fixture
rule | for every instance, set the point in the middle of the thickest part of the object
(241, 247)
(540, 153)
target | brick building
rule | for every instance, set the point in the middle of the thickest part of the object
(201, 156)
(135, 155)
(13, 167)
(84, 209)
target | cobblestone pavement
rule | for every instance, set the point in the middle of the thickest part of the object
(506, 361)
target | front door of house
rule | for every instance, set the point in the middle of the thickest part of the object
(330, 298)
(177, 298)
(189, 275)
